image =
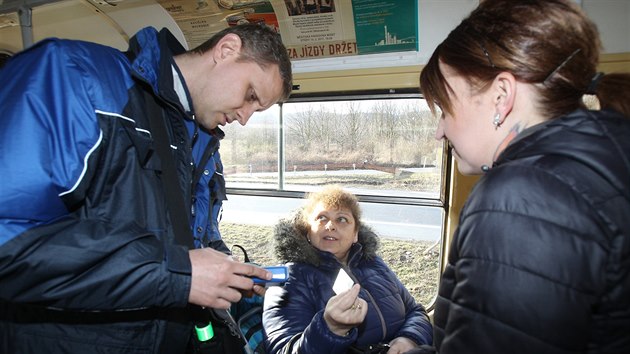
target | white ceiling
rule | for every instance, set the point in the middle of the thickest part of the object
(91, 20)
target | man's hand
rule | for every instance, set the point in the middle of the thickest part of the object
(218, 280)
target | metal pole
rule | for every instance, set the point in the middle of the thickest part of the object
(25, 15)
(281, 150)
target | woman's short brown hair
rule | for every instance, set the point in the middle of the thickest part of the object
(333, 197)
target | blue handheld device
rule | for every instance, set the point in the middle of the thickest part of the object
(279, 275)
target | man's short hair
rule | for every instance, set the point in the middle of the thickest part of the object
(260, 44)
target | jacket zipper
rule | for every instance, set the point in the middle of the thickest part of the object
(376, 307)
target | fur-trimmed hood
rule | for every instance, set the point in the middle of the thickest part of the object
(291, 246)
(295, 309)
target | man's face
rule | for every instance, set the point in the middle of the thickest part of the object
(235, 90)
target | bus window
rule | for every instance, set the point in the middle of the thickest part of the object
(381, 148)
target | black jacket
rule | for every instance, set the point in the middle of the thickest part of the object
(540, 262)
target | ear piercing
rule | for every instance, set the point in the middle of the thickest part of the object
(496, 121)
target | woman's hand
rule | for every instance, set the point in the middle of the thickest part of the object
(345, 311)
(401, 345)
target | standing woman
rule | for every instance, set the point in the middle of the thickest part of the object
(540, 262)
(376, 315)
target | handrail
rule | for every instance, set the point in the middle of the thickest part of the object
(24, 9)
(9, 6)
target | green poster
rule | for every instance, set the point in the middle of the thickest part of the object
(386, 25)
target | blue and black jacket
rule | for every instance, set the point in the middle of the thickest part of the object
(87, 252)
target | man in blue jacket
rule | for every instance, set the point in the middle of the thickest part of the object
(88, 255)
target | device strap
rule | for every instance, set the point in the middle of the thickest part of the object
(170, 181)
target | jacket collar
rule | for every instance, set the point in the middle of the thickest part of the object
(151, 54)
(582, 135)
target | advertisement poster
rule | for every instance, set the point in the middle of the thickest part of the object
(309, 28)
(386, 26)
(316, 28)
(200, 19)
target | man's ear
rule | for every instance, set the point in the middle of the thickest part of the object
(504, 90)
(226, 47)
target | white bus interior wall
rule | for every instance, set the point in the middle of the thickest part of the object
(112, 22)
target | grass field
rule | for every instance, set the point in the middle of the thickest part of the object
(415, 262)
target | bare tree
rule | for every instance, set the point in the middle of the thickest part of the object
(325, 129)
(352, 126)
(388, 120)
(418, 131)
(301, 128)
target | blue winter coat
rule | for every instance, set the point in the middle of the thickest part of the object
(88, 261)
(293, 313)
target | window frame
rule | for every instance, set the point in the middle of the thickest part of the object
(443, 201)
(280, 191)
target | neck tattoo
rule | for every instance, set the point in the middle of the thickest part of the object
(513, 133)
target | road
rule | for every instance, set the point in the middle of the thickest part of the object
(388, 220)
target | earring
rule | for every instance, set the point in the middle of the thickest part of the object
(496, 120)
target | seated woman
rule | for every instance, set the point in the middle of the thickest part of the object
(306, 316)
